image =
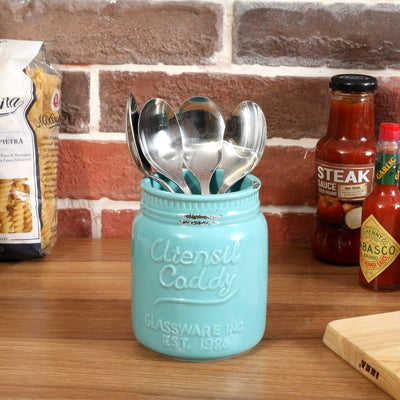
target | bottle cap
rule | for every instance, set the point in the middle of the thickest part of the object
(389, 131)
(353, 83)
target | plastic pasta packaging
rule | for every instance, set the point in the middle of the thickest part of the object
(29, 126)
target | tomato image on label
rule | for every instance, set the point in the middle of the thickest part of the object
(330, 210)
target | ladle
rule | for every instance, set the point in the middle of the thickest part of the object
(244, 142)
(202, 128)
(161, 141)
(132, 139)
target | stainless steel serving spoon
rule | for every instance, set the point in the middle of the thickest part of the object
(202, 127)
(132, 139)
(244, 142)
(161, 141)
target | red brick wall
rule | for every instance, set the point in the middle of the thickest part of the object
(279, 54)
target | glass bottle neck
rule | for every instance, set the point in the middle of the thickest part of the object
(351, 115)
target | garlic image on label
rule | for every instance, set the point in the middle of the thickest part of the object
(353, 218)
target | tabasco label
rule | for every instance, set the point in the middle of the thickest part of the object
(341, 188)
(378, 249)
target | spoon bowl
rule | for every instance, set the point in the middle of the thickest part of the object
(244, 142)
(202, 127)
(161, 142)
(132, 139)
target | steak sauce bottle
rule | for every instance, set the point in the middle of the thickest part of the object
(345, 161)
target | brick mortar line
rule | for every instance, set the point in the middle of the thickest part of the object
(231, 2)
(96, 207)
(366, 2)
(225, 55)
(263, 71)
(119, 205)
(94, 102)
(114, 137)
(279, 210)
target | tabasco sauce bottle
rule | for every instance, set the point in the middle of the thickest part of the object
(380, 229)
(345, 161)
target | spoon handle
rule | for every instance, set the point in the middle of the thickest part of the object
(224, 187)
(204, 179)
(161, 182)
(181, 183)
(204, 187)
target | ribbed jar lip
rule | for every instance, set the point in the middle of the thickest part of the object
(196, 209)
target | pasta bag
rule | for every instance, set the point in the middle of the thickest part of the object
(29, 126)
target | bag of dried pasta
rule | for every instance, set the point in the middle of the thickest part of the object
(29, 126)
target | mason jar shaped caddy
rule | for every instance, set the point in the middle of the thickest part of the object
(199, 272)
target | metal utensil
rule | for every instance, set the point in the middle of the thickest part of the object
(244, 142)
(161, 141)
(132, 139)
(202, 128)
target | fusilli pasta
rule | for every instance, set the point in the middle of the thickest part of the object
(16, 215)
(45, 121)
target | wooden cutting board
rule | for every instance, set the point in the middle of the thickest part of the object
(370, 344)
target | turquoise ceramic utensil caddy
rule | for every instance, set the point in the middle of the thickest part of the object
(199, 272)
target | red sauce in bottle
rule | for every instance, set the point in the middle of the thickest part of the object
(345, 160)
(380, 230)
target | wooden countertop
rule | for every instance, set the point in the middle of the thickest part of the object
(65, 332)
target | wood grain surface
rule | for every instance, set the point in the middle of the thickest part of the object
(65, 332)
(371, 344)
